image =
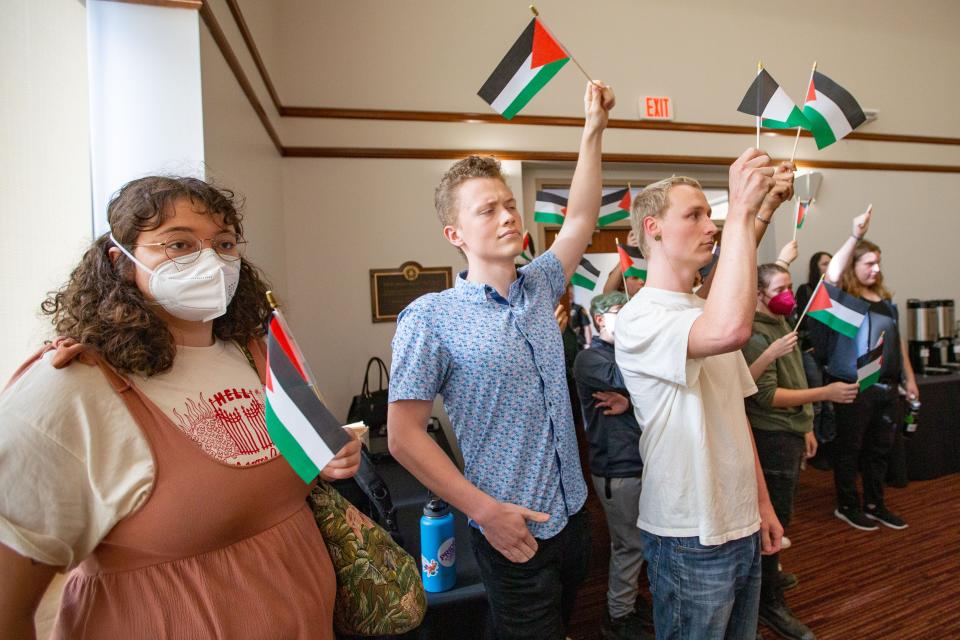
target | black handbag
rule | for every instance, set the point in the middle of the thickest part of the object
(370, 407)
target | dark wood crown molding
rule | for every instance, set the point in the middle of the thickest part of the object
(449, 116)
(254, 53)
(566, 121)
(170, 4)
(231, 58)
(571, 156)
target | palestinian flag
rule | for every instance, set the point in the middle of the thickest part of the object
(838, 309)
(803, 208)
(529, 251)
(868, 366)
(586, 275)
(765, 98)
(529, 65)
(614, 206)
(632, 264)
(831, 111)
(301, 426)
(550, 208)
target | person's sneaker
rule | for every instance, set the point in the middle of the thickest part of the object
(775, 613)
(856, 519)
(883, 516)
(785, 543)
(628, 627)
(788, 581)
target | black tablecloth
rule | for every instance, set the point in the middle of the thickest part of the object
(934, 450)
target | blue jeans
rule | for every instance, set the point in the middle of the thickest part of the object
(703, 592)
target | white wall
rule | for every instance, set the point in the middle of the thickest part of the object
(44, 163)
(145, 97)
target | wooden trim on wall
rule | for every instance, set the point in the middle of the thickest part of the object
(254, 53)
(566, 121)
(550, 121)
(172, 4)
(224, 45)
(571, 156)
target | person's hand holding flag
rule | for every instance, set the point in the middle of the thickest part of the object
(345, 464)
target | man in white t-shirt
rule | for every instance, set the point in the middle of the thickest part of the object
(704, 499)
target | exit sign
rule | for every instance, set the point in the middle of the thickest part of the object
(656, 108)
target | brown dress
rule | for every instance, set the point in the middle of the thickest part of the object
(216, 551)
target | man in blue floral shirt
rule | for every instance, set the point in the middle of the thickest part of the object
(491, 348)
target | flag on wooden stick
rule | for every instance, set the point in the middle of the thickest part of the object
(869, 366)
(300, 425)
(586, 275)
(832, 112)
(529, 65)
(550, 208)
(767, 100)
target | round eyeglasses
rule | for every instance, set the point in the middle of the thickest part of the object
(184, 247)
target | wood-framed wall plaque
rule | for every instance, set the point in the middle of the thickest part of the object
(391, 290)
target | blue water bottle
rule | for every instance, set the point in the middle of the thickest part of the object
(438, 548)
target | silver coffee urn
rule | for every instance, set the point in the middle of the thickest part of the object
(947, 345)
(921, 334)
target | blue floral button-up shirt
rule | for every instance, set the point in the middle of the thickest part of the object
(498, 363)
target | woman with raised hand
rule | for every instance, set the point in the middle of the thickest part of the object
(134, 451)
(865, 428)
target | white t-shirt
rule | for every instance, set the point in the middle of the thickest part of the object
(73, 462)
(699, 477)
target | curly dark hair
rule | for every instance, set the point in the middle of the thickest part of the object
(101, 306)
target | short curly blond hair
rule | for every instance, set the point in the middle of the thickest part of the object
(445, 197)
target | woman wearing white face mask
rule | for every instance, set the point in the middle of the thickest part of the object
(781, 416)
(135, 451)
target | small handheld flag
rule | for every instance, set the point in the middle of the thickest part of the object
(528, 252)
(831, 110)
(837, 309)
(586, 275)
(768, 101)
(529, 65)
(632, 263)
(803, 208)
(307, 435)
(550, 208)
(614, 206)
(869, 365)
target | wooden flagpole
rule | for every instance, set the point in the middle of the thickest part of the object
(810, 301)
(796, 219)
(623, 276)
(796, 140)
(759, 69)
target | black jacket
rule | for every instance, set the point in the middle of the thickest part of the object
(614, 441)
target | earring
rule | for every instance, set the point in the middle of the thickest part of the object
(658, 237)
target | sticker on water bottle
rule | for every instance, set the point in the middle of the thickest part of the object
(447, 552)
(430, 567)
